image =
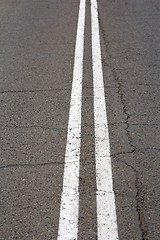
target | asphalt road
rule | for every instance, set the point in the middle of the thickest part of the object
(37, 50)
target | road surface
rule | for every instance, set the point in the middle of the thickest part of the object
(80, 119)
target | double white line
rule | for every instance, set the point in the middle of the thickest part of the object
(106, 212)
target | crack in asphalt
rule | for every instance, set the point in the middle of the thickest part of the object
(29, 165)
(143, 85)
(34, 58)
(35, 90)
(120, 153)
(145, 124)
(134, 150)
(138, 184)
(120, 93)
(33, 126)
(52, 128)
(45, 90)
(139, 199)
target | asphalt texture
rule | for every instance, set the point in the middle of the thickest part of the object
(37, 44)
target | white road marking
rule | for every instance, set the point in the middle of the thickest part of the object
(106, 210)
(68, 222)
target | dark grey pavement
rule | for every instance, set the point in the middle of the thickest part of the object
(130, 33)
(37, 41)
(36, 62)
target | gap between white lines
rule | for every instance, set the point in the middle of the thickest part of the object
(68, 222)
(106, 209)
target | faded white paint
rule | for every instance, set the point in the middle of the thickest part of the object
(106, 210)
(68, 222)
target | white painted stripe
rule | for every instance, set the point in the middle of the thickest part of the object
(68, 222)
(106, 210)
